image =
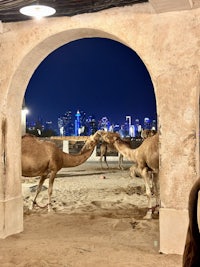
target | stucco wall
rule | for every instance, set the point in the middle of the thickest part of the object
(168, 44)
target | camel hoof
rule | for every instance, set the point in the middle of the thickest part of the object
(50, 210)
(132, 176)
(148, 216)
(31, 207)
(156, 211)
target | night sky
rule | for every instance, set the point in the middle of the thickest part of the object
(99, 76)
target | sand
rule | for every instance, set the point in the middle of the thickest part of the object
(95, 222)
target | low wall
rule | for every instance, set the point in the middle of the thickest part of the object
(93, 157)
(73, 144)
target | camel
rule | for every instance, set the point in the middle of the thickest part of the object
(45, 159)
(104, 149)
(91, 142)
(109, 147)
(146, 159)
(191, 255)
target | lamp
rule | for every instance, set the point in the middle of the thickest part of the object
(24, 112)
(37, 11)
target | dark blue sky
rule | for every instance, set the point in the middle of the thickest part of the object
(99, 76)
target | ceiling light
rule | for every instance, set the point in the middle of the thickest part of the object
(37, 11)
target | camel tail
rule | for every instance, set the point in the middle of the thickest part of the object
(191, 255)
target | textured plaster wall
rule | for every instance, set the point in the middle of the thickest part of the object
(168, 44)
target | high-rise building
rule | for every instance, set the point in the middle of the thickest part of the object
(104, 124)
(90, 125)
(147, 123)
(138, 128)
(77, 123)
(48, 125)
(65, 124)
(153, 125)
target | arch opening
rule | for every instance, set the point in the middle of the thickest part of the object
(86, 73)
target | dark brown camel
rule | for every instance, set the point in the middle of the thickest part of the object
(105, 148)
(147, 133)
(191, 255)
(45, 159)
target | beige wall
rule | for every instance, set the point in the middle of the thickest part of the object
(168, 44)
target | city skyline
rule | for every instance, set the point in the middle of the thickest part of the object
(69, 120)
(40, 118)
(99, 76)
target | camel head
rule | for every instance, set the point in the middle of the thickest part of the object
(109, 137)
(91, 142)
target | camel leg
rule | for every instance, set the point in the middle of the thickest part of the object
(101, 162)
(157, 191)
(103, 151)
(50, 190)
(134, 171)
(146, 176)
(105, 160)
(120, 162)
(39, 188)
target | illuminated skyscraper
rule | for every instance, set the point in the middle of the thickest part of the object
(77, 123)
(147, 123)
(65, 124)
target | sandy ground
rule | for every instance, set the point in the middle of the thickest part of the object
(95, 223)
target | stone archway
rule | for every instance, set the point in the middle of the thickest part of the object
(15, 98)
(174, 69)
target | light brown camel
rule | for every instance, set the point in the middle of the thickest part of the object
(146, 159)
(109, 147)
(191, 255)
(91, 142)
(45, 159)
(105, 148)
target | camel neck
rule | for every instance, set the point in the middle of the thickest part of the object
(72, 160)
(124, 149)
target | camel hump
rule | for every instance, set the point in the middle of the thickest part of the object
(27, 135)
